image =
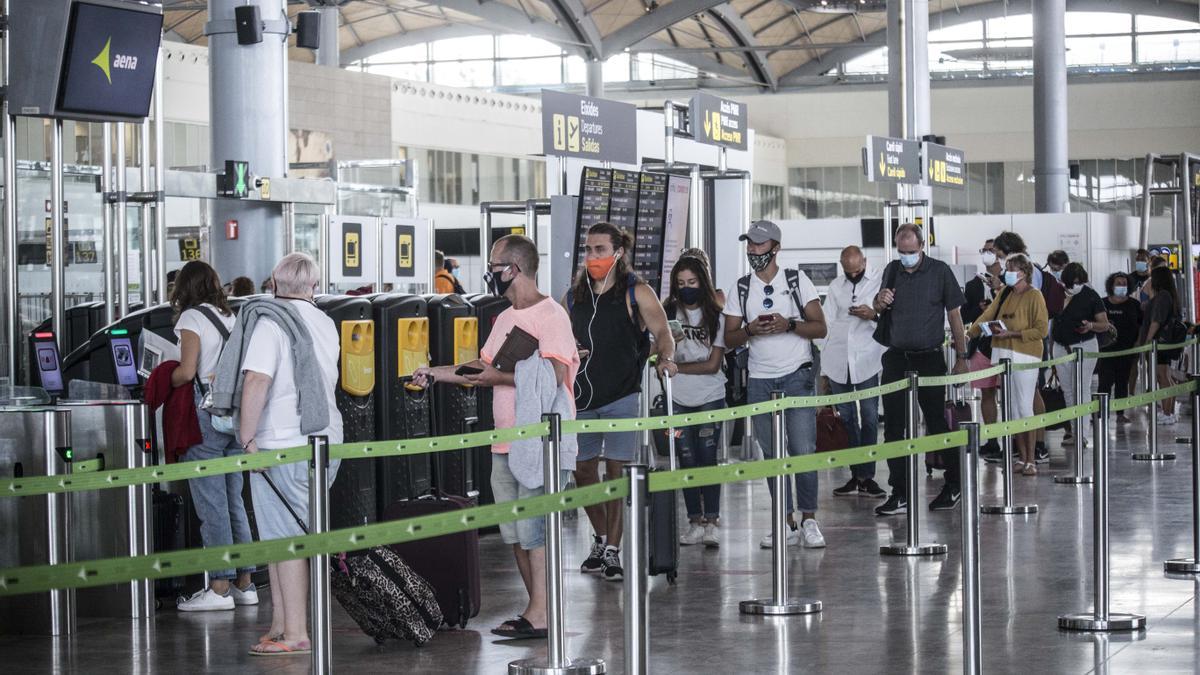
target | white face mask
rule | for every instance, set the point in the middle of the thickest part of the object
(988, 258)
(1074, 289)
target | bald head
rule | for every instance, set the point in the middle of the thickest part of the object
(853, 260)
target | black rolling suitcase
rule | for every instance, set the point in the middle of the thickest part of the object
(663, 518)
(169, 535)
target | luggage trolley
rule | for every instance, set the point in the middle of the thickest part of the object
(352, 498)
(401, 410)
(454, 339)
(487, 309)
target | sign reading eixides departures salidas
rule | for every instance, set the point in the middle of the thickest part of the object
(589, 128)
(718, 121)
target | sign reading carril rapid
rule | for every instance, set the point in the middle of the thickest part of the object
(892, 160)
(718, 121)
(110, 57)
(945, 167)
(591, 128)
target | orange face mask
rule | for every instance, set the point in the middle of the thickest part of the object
(598, 268)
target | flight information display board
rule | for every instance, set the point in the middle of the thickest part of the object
(648, 245)
(623, 202)
(595, 191)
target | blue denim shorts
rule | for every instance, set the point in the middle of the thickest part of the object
(618, 446)
(531, 532)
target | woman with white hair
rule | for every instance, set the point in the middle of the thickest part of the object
(278, 369)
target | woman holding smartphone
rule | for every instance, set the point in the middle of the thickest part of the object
(1018, 323)
(699, 386)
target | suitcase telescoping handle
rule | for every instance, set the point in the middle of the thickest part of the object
(286, 503)
(669, 405)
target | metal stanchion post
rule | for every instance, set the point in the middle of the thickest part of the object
(779, 603)
(1100, 619)
(637, 595)
(912, 544)
(1192, 565)
(1078, 477)
(1006, 460)
(1152, 454)
(318, 565)
(57, 453)
(556, 662)
(972, 615)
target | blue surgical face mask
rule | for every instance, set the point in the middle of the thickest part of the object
(1011, 278)
(1120, 291)
(690, 295)
(910, 259)
(1141, 266)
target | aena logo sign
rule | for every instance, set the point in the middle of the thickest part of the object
(106, 61)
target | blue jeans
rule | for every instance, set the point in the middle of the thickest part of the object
(698, 447)
(218, 499)
(800, 430)
(860, 430)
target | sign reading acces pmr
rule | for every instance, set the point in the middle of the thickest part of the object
(892, 160)
(591, 128)
(718, 121)
(109, 61)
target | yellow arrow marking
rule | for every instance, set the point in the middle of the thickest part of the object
(882, 165)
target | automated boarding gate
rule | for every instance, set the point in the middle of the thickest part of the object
(352, 498)
(102, 357)
(487, 309)
(402, 409)
(454, 339)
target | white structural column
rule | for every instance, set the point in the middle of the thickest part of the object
(329, 52)
(595, 78)
(249, 122)
(1050, 171)
(908, 77)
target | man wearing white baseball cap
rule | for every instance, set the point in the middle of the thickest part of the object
(777, 313)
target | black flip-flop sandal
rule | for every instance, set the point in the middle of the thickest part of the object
(521, 630)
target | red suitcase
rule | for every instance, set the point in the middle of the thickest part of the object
(449, 563)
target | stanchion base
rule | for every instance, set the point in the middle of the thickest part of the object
(1002, 510)
(768, 607)
(1089, 622)
(572, 667)
(1152, 456)
(1073, 480)
(1182, 566)
(1183, 440)
(919, 549)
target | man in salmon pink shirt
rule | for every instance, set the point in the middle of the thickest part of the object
(512, 273)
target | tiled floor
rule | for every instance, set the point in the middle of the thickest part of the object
(881, 614)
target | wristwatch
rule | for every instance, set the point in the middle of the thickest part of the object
(962, 356)
(791, 325)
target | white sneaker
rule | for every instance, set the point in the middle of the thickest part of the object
(693, 536)
(206, 600)
(710, 536)
(1168, 420)
(246, 597)
(792, 539)
(812, 534)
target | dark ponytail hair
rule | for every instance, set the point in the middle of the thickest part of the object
(1162, 281)
(710, 308)
(197, 283)
(581, 290)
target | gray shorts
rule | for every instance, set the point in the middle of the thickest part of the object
(270, 515)
(618, 446)
(531, 532)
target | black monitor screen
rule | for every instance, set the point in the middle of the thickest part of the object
(109, 61)
(49, 367)
(124, 361)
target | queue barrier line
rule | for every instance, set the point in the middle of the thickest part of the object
(961, 378)
(1150, 396)
(41, 578)
(750, 410)
(1141, 350)
(420, 446)
(663, 481)
(1049, 363)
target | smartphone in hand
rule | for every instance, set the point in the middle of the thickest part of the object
(463, 371)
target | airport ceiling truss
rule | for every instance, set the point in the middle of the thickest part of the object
(764, 44)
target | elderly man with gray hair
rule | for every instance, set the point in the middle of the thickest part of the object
(277, 375)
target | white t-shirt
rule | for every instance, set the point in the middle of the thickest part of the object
(696, 345)
(270, 353)
(210, 338)
(781, 354)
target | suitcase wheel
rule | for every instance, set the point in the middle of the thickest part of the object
(671, 577)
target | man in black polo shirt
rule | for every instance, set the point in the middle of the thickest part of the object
(920, 293)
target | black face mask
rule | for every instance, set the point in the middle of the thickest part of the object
(760, 261)
(495, 283)
(856, 277)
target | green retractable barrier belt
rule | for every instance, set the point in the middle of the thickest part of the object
(1150, 396)
(17, 580)
(961, 378)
